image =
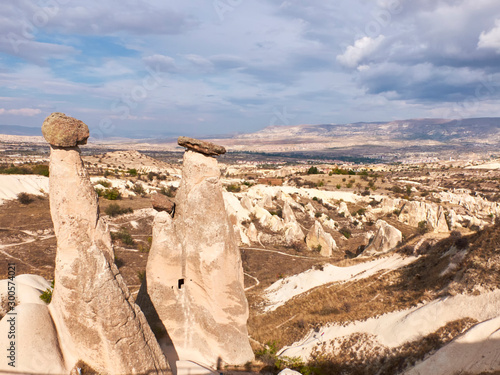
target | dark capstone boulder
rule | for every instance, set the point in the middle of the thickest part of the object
(203, 147)
(162, 203)
(64, 131)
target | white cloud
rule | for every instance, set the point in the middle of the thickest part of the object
(361, 49)
(160, 62)
(491, 39)
(20, 111)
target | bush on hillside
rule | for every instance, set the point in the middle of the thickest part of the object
(115, 209)
(24, 198)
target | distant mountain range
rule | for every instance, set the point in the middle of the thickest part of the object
(399, 136)
(439, 130)
(20, 130)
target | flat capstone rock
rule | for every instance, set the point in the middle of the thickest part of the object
(64, 131)
(203, 147)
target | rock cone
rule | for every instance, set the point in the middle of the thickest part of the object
(387, 238)
(194, 275)
(317, 238)
(95, 317)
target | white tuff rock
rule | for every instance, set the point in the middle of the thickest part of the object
(92, 309)
(318, 237)
(387, 238)
(194, 275)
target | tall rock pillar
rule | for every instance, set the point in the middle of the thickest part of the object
(194, 276)
(95, 317)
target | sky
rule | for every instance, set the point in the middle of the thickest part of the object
(163, 68)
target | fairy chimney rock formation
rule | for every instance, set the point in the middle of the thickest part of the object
(93, 312)
(386, 239)
(318, 239)
(194, 275)
(203, 147)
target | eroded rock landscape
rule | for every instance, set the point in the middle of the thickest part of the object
(204, 259)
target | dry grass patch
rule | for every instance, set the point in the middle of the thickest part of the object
(401, 289)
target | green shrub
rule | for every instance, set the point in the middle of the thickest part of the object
(119, 262)
(124, 236)
(423, 227)
(110, 194)
(104, 183)
(169, 192)
(46, 296)
(114, 209)
(141, 275)
(139, 189)
(360, 212)
(278, 212)
(40, 169)
(345, 232)
(233, 188)
(24, 198)
(313, 170)
(132, 172)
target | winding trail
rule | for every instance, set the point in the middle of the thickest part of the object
(257, 282)
(26, 242)
(279, 252)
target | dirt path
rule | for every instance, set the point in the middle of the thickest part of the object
(279, 252)
(257, 282)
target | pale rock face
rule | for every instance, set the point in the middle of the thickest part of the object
(287, 371)
(263, 215)
(293, 233)
(237, 214)
(246, 203)
(286, 198)
(28, 289)
(276, 224)
(267, 201)
(37, 348)
(310, 210)
(244, 240)
(93, 312)
(235, 207)
(288, 215)
(441, 224)
(343, 209)
(454, 219)
(266, 219)
(388, 205)
(253, 233)
(470, 221)
(329, 223)
(318, 237)
(386, 239)
(477, 206)
(473, 352)
(414, 212)
(194, 275)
